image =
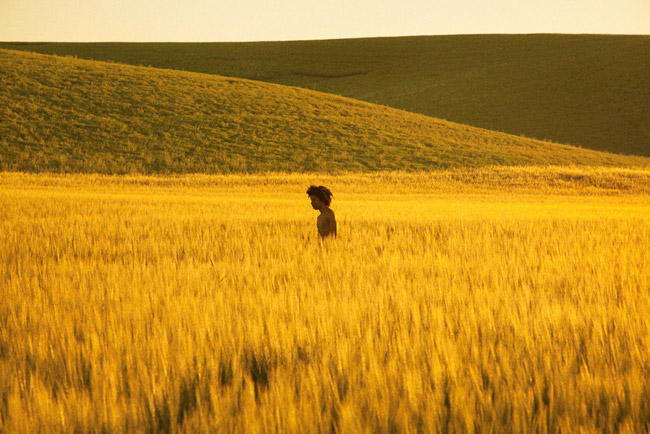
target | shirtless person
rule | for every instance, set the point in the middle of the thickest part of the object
(321, 197)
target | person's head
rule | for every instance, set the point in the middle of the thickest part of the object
(320, 196)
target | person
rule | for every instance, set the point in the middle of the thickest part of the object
(321, 197)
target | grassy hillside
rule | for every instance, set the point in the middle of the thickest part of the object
(71, 115)
(585, 90)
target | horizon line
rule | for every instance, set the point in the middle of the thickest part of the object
(114, 41)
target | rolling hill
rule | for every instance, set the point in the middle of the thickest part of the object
(62, 114)
(585, 90)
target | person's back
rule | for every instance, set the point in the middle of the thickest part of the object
(321, 197)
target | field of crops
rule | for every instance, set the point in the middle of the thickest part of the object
(491, 300)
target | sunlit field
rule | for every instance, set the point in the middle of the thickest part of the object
(491, 300)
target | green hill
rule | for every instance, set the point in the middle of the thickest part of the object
(586, 90)
(70, 115)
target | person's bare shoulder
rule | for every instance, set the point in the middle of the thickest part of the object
(327, 223)
(329, 213)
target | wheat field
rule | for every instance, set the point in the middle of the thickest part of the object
(491, 300)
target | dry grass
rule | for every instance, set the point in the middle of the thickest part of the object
(449, 303)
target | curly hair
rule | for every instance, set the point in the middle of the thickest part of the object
(323, 193)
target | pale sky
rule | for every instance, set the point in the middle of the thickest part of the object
(265, 20)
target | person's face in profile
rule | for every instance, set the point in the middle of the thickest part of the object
(316, 203)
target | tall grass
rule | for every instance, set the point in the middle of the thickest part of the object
(207, 304)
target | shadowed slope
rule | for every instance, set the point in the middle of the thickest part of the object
(586, 90)
(70, 115)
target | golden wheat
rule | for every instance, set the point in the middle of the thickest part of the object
(468, 303)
